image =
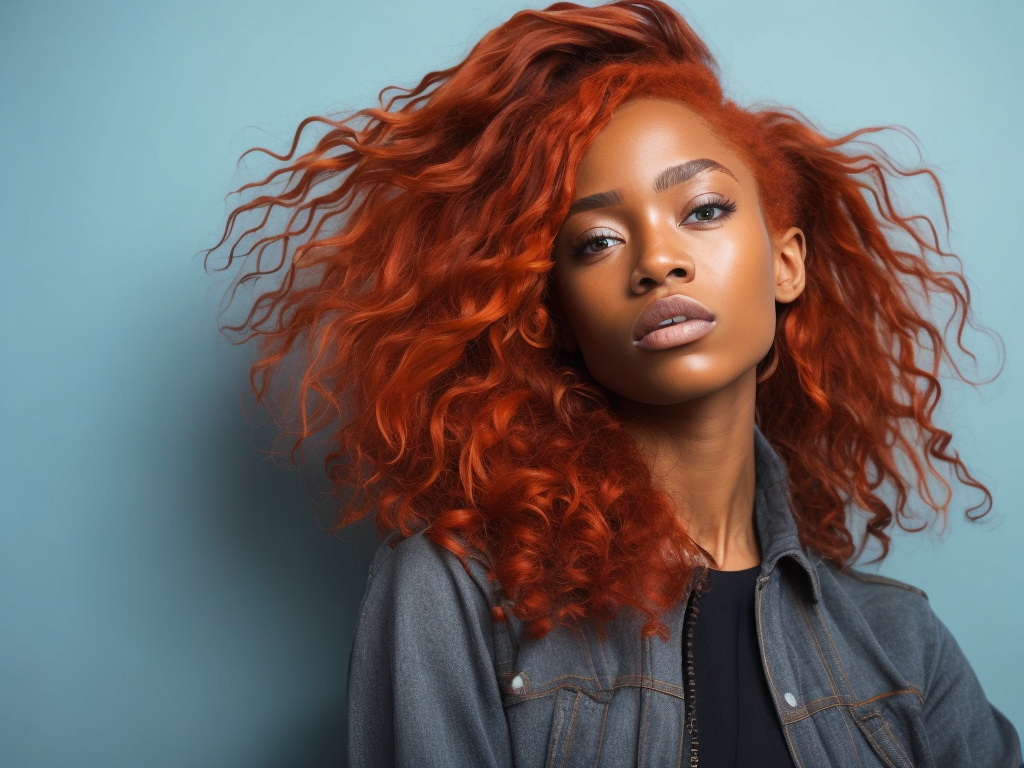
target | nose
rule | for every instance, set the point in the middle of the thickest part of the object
(660, 258)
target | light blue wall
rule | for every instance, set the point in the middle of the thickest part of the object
(166, 597)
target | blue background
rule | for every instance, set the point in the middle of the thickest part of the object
(166, 596)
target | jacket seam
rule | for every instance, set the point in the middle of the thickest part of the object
(821, 655)
(582, 640)
(796, 757)
(572, 726)
(849, 705)
(870, 578)
(896, 743)
(842, 670)
(903, 756)
(878, 750)
(600, 737)
(641, 758)
(761, 645)
(835, 653)
(627, 681)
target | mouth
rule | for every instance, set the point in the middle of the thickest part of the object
(671, 321)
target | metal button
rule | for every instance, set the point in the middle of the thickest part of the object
(789, 697)
(517, 683)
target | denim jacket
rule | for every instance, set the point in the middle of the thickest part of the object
(862, 672)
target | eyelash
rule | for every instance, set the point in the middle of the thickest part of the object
(726, 206)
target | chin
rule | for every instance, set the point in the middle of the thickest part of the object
(680, 387)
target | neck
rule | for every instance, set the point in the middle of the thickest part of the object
(702, 455)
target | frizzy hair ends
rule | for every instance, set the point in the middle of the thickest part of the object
(414, 283)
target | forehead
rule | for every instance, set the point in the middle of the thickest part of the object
(643, 137)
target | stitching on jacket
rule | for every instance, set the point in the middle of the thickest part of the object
(646, 698)
(600, 694)
(760, 646)
(810, 712)
(570, 733)
(387, 552)
(821, 654)
(559, 686)
(502, 628)
(853, 741)
(879, 753)
(835, 652)
(605, 666)
(872, 578)
(799, 762)
(682, 740)
(881, 696)
(640, 656)
(648, 683)
(581, 638)
(849, 688)
(895, 742)
(829, 699)
(879, 749)
(901, 756)
(600, 737)
(364, 605)
(645, 727)
(554, 741)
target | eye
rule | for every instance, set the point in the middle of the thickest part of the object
(710, 211)
(597, 242)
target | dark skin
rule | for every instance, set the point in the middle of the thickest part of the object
(663, 207)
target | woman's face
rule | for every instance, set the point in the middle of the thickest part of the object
(664, 266)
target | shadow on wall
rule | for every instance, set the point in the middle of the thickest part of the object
(304, 588)
(331, 570)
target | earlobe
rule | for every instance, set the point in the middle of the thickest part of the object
(790, 253)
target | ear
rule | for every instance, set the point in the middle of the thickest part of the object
(790, 251)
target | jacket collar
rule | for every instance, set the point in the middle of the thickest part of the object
(773, 516)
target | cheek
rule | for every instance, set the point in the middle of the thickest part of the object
(760, 312)
(745, 283)
(584, 308)
(596, 331)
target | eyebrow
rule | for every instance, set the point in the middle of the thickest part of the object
(670, 177)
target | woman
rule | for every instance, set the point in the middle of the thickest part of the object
(630, 375)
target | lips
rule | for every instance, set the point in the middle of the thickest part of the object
(669, 307)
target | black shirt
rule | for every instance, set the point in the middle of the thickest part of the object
(736, 718)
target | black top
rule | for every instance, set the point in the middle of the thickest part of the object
(736, 718)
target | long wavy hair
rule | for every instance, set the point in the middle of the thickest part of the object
(411, 316)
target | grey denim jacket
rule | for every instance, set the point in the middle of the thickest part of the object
(862, 672)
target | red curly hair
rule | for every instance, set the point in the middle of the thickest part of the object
(413, 283)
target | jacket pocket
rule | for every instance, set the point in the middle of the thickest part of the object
(577, 730)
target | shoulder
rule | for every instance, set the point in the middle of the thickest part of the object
(910, 643)
(872, 592)
(898, 616)
(422, 603)
(871, 581)
(877, 597)
(415, 570)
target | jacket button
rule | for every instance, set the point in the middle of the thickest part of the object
(789, 697)
(517, 683)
